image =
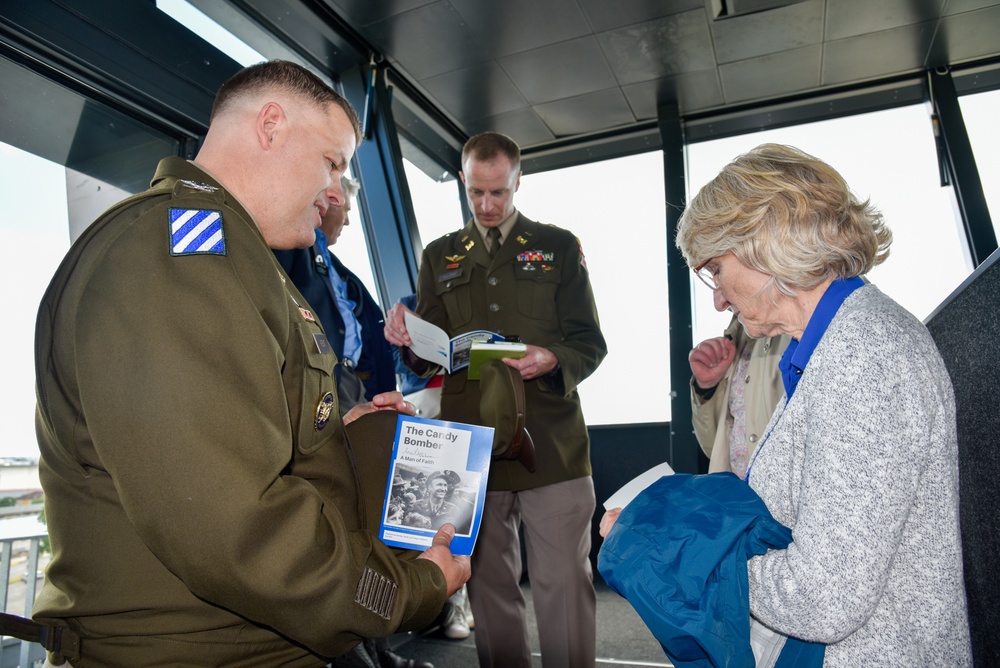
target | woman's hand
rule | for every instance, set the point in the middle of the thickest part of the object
(710, 360)
(609, 520)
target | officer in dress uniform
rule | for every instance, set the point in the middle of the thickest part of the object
(508, 274)
(201, 501)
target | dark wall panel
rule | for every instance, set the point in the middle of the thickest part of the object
(966, 328)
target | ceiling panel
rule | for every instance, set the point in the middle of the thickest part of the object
(587, 113)
(550, 70)
(864, 57)
(475, 92)
(759, 34)
(524, 124)
(967, 36)
(691, 91)
(363, 12)
(607, 15)
(573, 68)
(771, 75)
(847, 18)
(511, 26)
(430, 40)
(660, 48)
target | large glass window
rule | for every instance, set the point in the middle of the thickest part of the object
(35, 228)
(63, 160)
(888, 156)
(436, 202)
(616, 208)
(980, 112)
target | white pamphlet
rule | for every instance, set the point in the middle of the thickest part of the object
(430, 342)
(633, 487)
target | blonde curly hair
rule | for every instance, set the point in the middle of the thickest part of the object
(787, 214)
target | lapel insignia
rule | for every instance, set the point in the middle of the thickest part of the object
(469, 245)
(323, 410)
(307, 314)
(521, 240)
(196, 232)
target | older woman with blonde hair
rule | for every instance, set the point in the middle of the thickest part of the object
(860, 459)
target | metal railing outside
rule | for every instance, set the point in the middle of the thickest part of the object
(20, 545)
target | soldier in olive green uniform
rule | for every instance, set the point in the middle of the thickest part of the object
(531, 281)
(202, 503)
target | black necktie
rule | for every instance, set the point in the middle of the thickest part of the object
(494, 236)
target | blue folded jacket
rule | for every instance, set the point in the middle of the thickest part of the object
(678, 553)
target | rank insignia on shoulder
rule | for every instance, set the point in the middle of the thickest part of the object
(323, 410)
(307, 314)
(194, 185)
(196, 232)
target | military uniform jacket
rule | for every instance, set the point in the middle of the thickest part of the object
(201, 500)
(537, 287)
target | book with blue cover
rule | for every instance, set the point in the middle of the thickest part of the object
(438, 474)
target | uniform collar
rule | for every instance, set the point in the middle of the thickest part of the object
(505, 227)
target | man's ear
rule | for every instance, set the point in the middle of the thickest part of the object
(461, 175)
(517, 184)
(270, 120)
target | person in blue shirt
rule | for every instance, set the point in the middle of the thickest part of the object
(351, 317)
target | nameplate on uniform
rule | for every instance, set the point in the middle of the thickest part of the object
(322, 344)
(196, 232)
(448, 275)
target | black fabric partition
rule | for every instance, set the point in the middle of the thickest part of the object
(966, 328)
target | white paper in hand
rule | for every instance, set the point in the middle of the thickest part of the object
(631, 489)
(429, 341)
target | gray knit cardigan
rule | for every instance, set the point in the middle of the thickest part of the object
(862, 465)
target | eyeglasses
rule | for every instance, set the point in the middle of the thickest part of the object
(707, 276)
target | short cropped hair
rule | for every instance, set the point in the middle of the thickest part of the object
(787, 214)
(285, 75)
(351, 187)
(490, 145)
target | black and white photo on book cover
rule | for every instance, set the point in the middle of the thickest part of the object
(438, 475)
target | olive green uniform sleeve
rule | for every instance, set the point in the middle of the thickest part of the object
(184, 411)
